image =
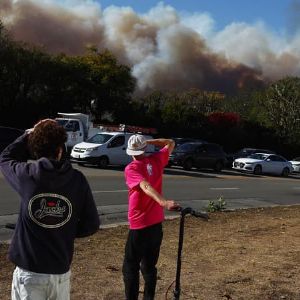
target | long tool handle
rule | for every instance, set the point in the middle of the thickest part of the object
(178, 269)
(184, 212)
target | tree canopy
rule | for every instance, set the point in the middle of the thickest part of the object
(34, 84)
(282, 108)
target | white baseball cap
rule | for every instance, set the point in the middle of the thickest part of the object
(136, 145)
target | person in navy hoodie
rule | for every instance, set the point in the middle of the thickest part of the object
(57, 206)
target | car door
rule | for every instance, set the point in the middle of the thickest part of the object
(279, 164)
(207, 156)
(200, 156)
(74, 132)
(274, 164)
(116, 150)
(212, 155)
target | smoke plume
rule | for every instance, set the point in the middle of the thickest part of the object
(165, 48)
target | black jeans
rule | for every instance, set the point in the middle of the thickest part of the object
(142, 252)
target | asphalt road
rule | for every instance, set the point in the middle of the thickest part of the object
(189, 188)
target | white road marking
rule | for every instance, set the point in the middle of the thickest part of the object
(114, 191)
(225, 188)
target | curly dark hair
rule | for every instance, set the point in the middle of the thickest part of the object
(46, 139)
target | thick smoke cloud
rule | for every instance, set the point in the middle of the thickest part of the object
(166, 49)
(52, 26)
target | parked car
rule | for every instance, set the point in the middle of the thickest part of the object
(199, 155)
(295, 164)
(259, 163)
(179, 141)
(8, 135)
(104, 148)
(245, 152)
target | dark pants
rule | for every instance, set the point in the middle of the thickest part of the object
(142, 252)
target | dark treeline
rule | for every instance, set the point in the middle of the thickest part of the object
(35, 84)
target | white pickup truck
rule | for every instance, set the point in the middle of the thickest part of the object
(78, 127)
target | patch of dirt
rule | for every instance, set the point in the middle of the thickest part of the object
(240, 255)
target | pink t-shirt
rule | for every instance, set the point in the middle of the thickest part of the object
(144, 211)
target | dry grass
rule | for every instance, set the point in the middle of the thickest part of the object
(245, 254)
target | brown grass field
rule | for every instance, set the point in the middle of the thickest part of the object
(240, 255)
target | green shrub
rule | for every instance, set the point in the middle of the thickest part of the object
(217, 206)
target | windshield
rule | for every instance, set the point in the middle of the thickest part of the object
(62, 122)
(69, 125)
(258, 156)
(186, 147)
(99, 138)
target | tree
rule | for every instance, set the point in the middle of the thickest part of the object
(282, 104)
(186, 112)
(146, 110)
(35, 84)
(110, 83)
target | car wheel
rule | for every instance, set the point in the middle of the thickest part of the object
(218, 166)
(285, 172)
(103, 162)
(187, 164)
(257, 170)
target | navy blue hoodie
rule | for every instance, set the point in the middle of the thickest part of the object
(56, 207)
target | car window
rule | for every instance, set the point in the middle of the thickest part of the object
(62, 122)
(72, 125)
(277, 158)
(186, 147)
(117, 141)
(69, 125)
(201, 149)
(258, 156)
(213, 148)
(99, 138)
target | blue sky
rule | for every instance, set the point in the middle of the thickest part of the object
(276, 14)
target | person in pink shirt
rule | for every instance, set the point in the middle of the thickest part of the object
(145, 213)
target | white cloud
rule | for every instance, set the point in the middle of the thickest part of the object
(202, 23)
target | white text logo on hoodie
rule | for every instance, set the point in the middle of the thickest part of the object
(50, 210)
